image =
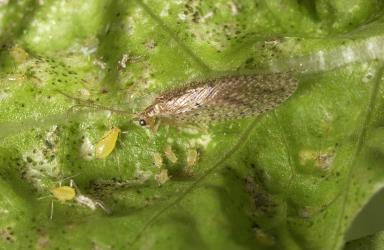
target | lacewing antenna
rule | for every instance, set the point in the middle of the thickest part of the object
(90, 104)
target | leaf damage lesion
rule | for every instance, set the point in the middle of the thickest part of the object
(321, 159)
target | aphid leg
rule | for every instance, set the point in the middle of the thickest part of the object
(73, 184)
(101, 205)
(43, 197)
(51, 216)
(122, 143)
(51, 213)
(120, 140)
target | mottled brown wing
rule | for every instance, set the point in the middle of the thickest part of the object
(228, 98)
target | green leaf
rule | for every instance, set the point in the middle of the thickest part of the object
(371, 242)
(293, 178)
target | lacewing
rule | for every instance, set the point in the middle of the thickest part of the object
(219, 99)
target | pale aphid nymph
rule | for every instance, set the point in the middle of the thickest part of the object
(221, 98)
(63, 193)
(107, 144)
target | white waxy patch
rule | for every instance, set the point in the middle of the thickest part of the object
(202, 141)
(90, 203)
(348, 54)
(191, 131)
(165, 11)
(206, 16)
(4, 211)
(87, 149)
(234, 8)
(101, 64)
(84, 92)
(12, 78)
(142, 175)
(320, 54)
(40, 161)
(182, 16)
(87, 51)
(4, 2)
(4, 95)
(123, 61)
(371, 49)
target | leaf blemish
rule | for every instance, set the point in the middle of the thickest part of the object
(322, 159)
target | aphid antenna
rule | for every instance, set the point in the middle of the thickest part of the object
(92, 105)
(120, 141)
(101, 205)
(44, 197)
(70, 178)
(73, 184)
